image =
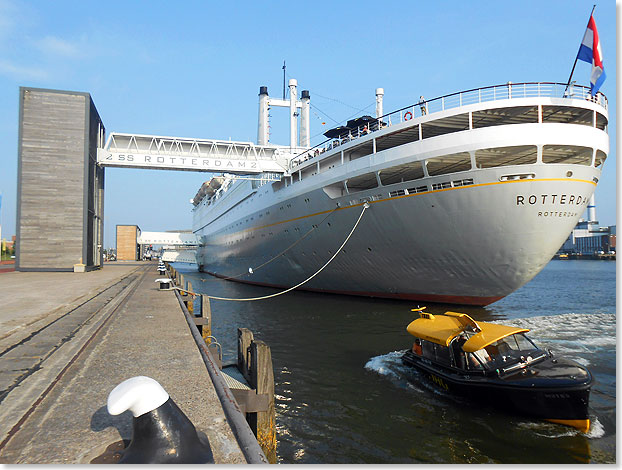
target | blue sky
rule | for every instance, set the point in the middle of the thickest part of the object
(194, 68)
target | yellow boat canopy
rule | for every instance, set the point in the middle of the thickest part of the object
(442, 329)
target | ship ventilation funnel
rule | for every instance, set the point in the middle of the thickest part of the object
(262, 130)
(379, 97)
(305, 131)
(293, 115)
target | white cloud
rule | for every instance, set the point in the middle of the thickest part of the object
(22, 72)
(51, 45)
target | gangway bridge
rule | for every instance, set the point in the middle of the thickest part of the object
(189, 154)
(175, 239)
(179, 247)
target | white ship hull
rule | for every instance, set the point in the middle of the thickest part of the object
(471, 237)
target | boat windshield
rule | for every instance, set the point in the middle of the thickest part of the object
(514, 350)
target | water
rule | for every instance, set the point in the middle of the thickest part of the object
(343, 396)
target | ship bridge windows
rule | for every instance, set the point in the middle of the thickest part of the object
(601, 122)
(367, 148)
(567, 115)
(569, 154)
(506, 156)
(405, 136)
(600, 158)
(362, 183)
(503, 116)
(398, 174)
(445, 125)
(445, 164)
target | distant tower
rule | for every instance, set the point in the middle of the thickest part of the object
(591, 211)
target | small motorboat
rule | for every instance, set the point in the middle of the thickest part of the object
(500, 366)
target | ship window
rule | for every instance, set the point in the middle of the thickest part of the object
(446, 125)
(442, 354)
(601, 121)
(567, 115)
(502, 116)
(400, 173)
(443, 185)
(428, 350)
(449, 164)
(464, 182)
(570, 154)
(418, 189)
(397, 192)
(506, 156)
(600, 158)
(362, 183)
(473, 362)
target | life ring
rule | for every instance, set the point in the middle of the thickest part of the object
(408, 116)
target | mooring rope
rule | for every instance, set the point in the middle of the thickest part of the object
(365, 207)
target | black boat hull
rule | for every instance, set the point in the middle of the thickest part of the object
(531, 391)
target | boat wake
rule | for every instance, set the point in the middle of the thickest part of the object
(579, 337)
(552, 431)
(390, 366)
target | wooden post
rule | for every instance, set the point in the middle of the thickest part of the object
(245, 338)
(190, 305)
(206, 313)
(182, 283)
(262, 380)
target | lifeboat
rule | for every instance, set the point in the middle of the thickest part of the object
(207, 189)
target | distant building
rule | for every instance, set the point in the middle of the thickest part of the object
(588, 238)
(128, 248)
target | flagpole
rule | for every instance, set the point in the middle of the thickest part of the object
(577, 58)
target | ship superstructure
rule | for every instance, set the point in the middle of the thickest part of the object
(469, 194)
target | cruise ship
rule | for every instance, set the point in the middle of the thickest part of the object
(460, 199)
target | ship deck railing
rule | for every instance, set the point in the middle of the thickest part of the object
(455, 100)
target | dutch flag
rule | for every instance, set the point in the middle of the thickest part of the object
(591, 52)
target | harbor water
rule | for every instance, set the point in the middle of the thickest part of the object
(343, 395)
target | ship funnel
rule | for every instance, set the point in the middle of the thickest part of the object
(262, 129)
(379, 96)
(293, 115)
(305, 130)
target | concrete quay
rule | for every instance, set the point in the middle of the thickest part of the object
(67, 339)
